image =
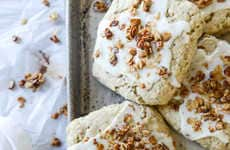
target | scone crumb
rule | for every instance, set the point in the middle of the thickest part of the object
(142, 85)
(24, 21)
(55, 142)
(133, 51)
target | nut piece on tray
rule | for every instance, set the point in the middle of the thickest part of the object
(201, 108)
(127, 125)
(144, 48)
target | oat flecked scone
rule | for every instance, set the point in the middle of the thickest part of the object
(201, 108)
(120, 126)
(216, 14)
(144, 48)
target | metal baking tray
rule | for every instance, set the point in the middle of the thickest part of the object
(84, 92)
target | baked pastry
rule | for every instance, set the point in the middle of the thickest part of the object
(216, 15)
(144, 48)
(127, 125)
(201, 108)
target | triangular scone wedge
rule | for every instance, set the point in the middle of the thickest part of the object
(144, 48)
(201, 108)
(216, 15)
(126, 125)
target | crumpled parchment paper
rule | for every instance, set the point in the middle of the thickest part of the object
(26, 57)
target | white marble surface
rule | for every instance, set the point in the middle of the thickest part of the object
(18, 59)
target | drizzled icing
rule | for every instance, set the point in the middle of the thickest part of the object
(148, 76)
(142, 117)
(213, 59)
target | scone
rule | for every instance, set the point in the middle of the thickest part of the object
(216, 15)
(144, 48)
(201, 108)
(121, 126)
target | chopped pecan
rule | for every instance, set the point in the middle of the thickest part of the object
(100, 6)
(108, 34)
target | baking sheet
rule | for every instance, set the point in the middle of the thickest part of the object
(85, 93)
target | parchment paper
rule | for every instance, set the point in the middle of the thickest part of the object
(18, 59)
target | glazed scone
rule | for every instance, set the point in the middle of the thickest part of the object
(144, 48)
(216, 15)
(127, 125)
(201, 108)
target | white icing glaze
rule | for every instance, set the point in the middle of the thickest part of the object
(216, 6)
(162, 25)
(118, 122)
(213, 59)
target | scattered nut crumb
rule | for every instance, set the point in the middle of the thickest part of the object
(108, 33)
(55, 39)
(21, 101)
(55, 116)
(54, 16)
(24, 21)
(46, 3)
(16, 39)
(11, 85)
(32, 81)
(64, 110)
(55, 142)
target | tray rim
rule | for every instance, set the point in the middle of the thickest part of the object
(73, 64)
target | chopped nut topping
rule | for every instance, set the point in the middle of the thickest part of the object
(32, 81)
(183, 91)
(226, 60)
(142, 85)
(133, 51)
(46, 2)
(220, 125)
(147, 5)
(196, 124)
(128, 118)
(132, 30)
(198, 77)
(119, 44)
(54, 39)
(216, 74)
(114, 23)
(122, 27)
(166, 36)
(21, 101)
(113, 59)
(100, 6)
(54, 16)
(227, 71)
(55, 142)
(11, 85)
(160, 147)
(152, 140)
(108, 34)
(202, 3)
(16, 39)
(97, 53)
(163, 72)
